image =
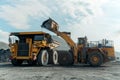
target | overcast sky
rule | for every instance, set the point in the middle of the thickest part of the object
(96, 19)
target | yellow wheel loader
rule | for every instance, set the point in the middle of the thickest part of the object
(83, 51)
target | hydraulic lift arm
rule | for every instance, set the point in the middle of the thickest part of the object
(51, 25)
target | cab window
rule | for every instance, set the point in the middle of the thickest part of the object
(39, 37)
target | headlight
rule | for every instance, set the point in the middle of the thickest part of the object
(12, 49)
(44, 42)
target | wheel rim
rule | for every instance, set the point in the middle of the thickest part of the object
(95, 59)
(44, 58)
(55, 57)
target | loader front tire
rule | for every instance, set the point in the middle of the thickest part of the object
(95, 59)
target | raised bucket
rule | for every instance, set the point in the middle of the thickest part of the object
(50, 25)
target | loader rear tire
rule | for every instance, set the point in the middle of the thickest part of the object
(43, 58)
(95, 59)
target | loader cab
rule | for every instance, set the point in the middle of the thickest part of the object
(82, 44)
(82, 41)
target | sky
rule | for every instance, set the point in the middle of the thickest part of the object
(96, 19)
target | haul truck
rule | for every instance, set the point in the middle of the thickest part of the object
(82, 52)
(33, 47)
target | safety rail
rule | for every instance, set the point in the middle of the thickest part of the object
(101, 43)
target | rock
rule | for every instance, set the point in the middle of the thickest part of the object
(4, 55)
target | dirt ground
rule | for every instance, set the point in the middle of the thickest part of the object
(109, 71)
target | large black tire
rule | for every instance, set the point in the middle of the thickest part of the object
(95, 59)
(65, 58)
(16, 62)
(43, 58)
(53, 57)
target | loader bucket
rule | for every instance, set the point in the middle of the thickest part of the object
(50, 25)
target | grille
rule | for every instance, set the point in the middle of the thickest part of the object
(23, 49)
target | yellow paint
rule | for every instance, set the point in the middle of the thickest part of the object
(30, 33)
(110, 51)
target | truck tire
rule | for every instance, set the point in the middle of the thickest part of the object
(16, 62)
(95, 59)
(65, 58)
(42, 58)
(53, 57)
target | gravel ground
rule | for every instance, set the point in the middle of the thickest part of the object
(109, 71)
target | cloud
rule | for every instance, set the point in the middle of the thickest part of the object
(20, 13)
(73, 11)
(17, 14)
(94, 25)
(4, 36)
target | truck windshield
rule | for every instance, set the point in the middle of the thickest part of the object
(39, 37)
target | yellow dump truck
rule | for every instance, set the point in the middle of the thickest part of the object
(33, 47)
(86, 52)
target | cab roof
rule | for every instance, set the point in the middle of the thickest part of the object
(28, 33)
